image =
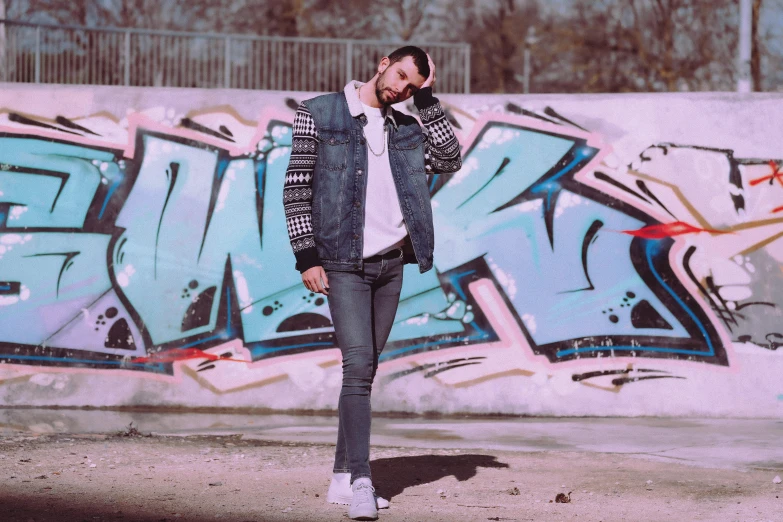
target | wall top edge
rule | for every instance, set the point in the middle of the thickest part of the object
(703, 95)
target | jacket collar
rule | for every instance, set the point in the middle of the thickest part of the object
(355, 105)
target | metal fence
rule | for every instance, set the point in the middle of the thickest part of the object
(39, 53)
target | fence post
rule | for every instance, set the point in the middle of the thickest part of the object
(744, 80)
(348, 61)
(38, 54)
(127, 58)
(4, 75)
(227, 64)
(467, 68)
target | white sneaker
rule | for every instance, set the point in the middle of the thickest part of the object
(340, 492)
(363, 502)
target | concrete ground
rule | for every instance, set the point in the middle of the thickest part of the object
(62, 465)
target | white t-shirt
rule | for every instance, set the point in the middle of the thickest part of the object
(384, 228)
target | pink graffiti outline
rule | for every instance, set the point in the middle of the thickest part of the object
(592, 139)
(138, 122)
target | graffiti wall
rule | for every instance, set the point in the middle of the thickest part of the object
(596, 255)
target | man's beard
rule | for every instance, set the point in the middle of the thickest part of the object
(384, 95)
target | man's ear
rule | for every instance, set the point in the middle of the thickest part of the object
(384, 63)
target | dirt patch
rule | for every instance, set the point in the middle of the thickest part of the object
(200, 478)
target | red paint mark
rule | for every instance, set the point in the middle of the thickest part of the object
(676, 228)
(776, 209)
(176, 355)
(776, 175)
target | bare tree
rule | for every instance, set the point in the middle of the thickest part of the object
(649, 45)
(278, 18)
(406, 16)
(339, 19)
(770, 46)
(496, 29)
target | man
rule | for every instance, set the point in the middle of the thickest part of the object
(357, 206)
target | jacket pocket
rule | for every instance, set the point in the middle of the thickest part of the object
(333, 149)
(410, 141)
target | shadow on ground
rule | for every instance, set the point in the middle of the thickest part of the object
(395, 474)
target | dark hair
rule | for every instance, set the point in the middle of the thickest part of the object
(419, 58)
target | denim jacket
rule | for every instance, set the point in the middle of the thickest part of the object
(338, 183)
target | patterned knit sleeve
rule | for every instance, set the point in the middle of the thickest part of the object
(298, 190)
(442, 152)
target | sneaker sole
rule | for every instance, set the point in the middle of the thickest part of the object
(337, 499)
(363, 517)
(346, 501)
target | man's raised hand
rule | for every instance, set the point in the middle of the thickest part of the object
(430, 81)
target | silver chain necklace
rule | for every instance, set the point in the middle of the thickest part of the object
(385, 130)
(377, 155)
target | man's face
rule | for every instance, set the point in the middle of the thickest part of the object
(398, 81)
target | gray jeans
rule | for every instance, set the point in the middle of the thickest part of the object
(363, 305)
